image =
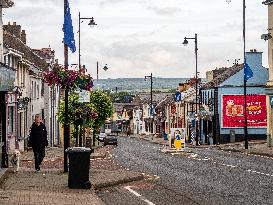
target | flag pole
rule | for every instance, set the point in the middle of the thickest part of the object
(245, 80)
(66, 125)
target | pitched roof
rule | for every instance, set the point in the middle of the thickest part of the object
(268, 2)
(45, 53)
(224, 76)
(6, 3)
(10, 41)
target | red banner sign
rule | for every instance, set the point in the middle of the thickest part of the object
(233, 111)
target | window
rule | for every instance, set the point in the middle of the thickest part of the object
(10, 119)
(35, 86)
(24, 75)
(32, 90)
(43, 89)
(8, 60)
(38, 92)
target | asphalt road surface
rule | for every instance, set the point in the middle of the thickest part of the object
(206, 176)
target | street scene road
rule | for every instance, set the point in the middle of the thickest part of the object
(205, 176)
(101, 103)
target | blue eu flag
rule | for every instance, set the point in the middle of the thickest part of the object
(248, 73)
(68, 30)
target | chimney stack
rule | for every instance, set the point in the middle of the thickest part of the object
(13, 29)
(24, 37)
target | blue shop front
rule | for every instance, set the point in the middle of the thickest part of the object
(222, 116)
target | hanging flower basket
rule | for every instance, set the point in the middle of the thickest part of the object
(71, 79)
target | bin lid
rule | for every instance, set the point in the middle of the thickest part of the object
(78, 149)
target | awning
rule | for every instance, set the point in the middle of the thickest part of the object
(7, 77)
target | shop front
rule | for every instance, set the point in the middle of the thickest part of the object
(8, 111)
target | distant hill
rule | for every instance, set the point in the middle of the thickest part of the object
(138, 84)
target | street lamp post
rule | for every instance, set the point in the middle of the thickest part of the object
(151, 109)
(104, 68)
(91, 23)
(196, 80)
(244, 45)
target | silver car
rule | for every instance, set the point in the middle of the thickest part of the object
(102, 135)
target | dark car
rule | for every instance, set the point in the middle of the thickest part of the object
(110, 139)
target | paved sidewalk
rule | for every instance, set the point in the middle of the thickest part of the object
(258, 147)
(30, 188)
(50, 186)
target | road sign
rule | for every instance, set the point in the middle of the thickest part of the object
(84, 96)
(177, 96)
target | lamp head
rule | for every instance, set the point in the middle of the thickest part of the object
(185, 42)
(105, 67)
(92, 22)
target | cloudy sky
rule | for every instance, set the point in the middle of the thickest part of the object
(137, 37)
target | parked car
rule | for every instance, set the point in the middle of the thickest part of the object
(110, 139)
(101, 137)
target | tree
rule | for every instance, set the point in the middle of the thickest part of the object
(92, 114)
(103, 106)
(79, 114)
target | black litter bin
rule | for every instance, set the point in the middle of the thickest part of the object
(79, 165)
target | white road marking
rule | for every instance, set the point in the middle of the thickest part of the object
(261, 173)
(132, 191)
(138, 195)
(148, 202)
(232, 166)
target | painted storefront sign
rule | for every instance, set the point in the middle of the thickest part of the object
(233, 111)
(7, 78)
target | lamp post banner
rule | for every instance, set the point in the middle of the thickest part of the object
(233, 111)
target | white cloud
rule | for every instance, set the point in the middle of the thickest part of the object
(138, 37)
